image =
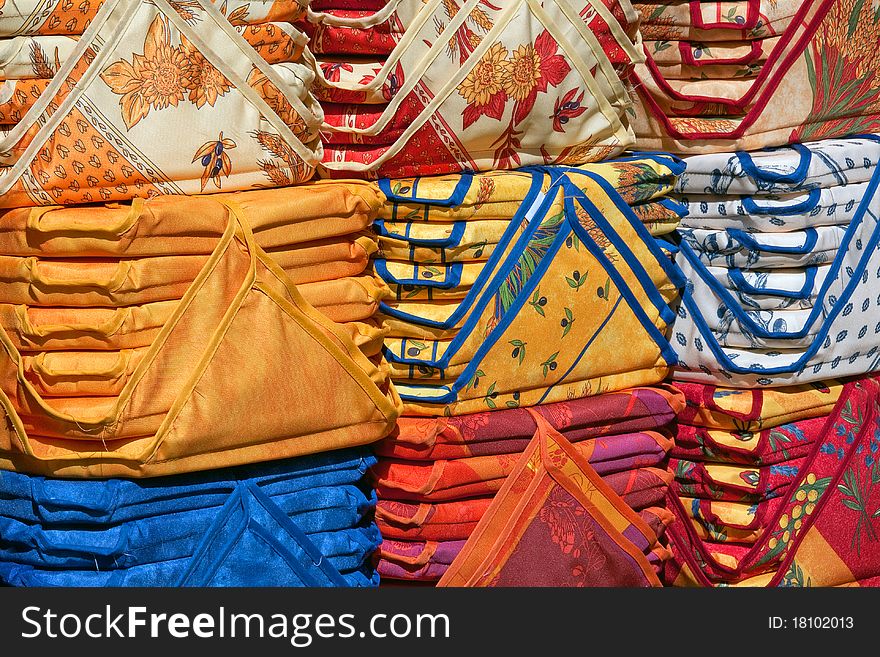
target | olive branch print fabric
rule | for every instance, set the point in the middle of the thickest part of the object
(144, 69)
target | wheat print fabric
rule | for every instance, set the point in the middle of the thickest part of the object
(144, 69)
(819, 81)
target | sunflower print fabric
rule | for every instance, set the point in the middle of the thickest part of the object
(534, 84)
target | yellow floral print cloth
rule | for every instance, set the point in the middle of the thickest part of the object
(575, 263)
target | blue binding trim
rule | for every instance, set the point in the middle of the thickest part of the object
(653, 294)
(728, 300)
(750, 243)
(803, 207)
(729, 365)
(669, 267)
(666, 350)
(458, 228)
(795, 177)
(455, 199)
(451, 280)
(739, 282)
(488, 269)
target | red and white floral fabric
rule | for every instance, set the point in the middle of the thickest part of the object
(446, 86)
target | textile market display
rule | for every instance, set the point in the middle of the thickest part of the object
(479, 265)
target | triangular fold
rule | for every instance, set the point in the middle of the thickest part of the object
(91, 135)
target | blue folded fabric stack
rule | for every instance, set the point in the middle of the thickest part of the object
(300, 522)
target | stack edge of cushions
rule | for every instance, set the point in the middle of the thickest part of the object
(300, 522)
(721, 76)
(775, 462)
(484, 268)
(775, 487)
(85, 122)
(162, 352)
(421, 88)
(780, 248)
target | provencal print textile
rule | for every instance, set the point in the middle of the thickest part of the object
(776, 173)
(820, 531)
(745, 410)
(740, 323)
(429, 560)
(439, 341)
(508, 431)
(537, 87)
(440, 480)
(552, 485)
(819, 81)
(737, 20)
(56, 17)
(89, 136)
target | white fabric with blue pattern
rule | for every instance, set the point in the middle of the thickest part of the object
(799, 167)
(774, 213)
(777, 308)
(775, 289)
(737, 248)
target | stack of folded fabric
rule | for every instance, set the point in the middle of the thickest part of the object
(121, 367)
(421, 88)
(439, 478)
(517, 290)
(167, 335)
(747, 74)
(777, 487)
(126, 99)
(780, 251)
(300, 522)
(775, 463)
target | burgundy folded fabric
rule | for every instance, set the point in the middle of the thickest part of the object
(765, 447)
(733, 483)
(509, 431)
(481, 475)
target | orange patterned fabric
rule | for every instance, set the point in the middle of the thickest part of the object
(555, 510)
